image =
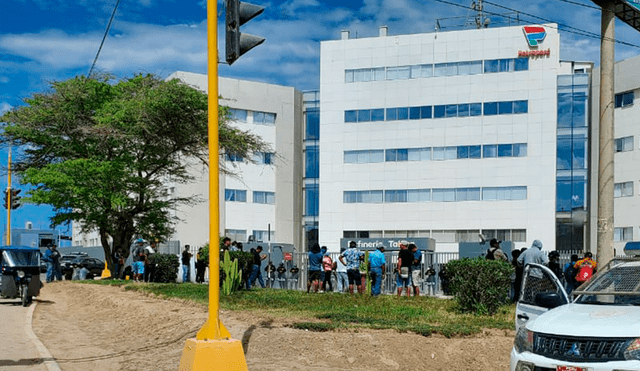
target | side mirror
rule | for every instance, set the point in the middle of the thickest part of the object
(548, 300)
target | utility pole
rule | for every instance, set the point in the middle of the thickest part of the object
(606, 144)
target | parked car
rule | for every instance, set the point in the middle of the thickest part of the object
(598, 331)
(94, 265)
(66, 258)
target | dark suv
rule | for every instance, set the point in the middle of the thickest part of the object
(94, 265)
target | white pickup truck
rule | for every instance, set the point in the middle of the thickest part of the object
(597, 331)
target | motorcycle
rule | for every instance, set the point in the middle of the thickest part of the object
(20, 267)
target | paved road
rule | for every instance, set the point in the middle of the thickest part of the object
(18, 351)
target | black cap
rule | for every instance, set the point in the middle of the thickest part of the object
(494, 241)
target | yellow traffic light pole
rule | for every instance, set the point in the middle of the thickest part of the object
(9, 200)
(213, 348)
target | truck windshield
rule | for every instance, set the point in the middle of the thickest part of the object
(618, 286)
(17, 258)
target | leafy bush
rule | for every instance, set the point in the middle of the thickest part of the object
(167, 267)
(480, 286)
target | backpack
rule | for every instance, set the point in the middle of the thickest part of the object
(584, 273)
(490, 255)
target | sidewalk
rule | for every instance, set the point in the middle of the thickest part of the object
(20, 349)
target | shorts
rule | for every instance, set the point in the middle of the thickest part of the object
(416, 280)
(314, 276)
(403, 282)
(354, 277)
(138, 267)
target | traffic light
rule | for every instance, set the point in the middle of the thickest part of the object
(15, 199)
(6, 198)
(238, 13)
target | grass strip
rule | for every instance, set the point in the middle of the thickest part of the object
(328, 311)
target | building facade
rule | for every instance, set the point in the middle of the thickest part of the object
(626, 158)
(261, 200)
(444, 135)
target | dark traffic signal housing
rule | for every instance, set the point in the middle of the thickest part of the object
(15, 198)
(238, 13)
(6, 199)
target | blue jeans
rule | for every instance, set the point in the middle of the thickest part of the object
(343, 281)
(376, 278)
(185, 273)
(255, 273)
(49, 271)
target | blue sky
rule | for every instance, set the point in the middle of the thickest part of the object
(48, 40)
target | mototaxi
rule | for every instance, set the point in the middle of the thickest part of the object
(20, 267)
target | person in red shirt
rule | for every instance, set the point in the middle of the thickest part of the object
(586, 268)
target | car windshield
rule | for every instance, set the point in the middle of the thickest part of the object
(619, 285)
(20, 258)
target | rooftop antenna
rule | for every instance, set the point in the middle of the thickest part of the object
(481, 20)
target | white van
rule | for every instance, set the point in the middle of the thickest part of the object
(598, 331)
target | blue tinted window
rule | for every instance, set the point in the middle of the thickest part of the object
(521, 106)
(506, 65)
(452, 110)
(438, 111)
(425, 112)
(267, 158)
(520, 150)
(403, 113)
(414, 113)
(390, 155)
(463, 110)
(313, 125)
(402, 154)
(564, 110)
(490, 108)
(475, 109)
(350, 116)
(505, 150)
(491, 66)
(505, 108)
(463, 152)
(474, 151)
(377, 114)
(579, 153)
(392, 114)
(311, 162)
(563, 153)
(489, 150)
(624, 99)
(312, 202)
(364, 115)
(522, 64)
(579, 110)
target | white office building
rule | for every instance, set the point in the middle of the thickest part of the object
(627, 155)
(445, 135)
(262, 200)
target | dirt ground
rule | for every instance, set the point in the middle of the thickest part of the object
(91, 327)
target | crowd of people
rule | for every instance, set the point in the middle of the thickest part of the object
(573, 274)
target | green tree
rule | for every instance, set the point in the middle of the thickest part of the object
(99, 150)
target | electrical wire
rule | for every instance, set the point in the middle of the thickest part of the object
(568, 29)
(104, 37)
(580, 4)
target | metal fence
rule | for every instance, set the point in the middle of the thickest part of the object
(431, 266)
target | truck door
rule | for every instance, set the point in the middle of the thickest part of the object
(541, 290)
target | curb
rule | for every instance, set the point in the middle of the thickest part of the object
(48, 359)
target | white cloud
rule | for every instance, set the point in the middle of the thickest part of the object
(291, 7)
(4, 79)
(4, 107)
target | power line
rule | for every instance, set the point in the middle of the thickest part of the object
(577, 31)
(580, 4)
(569, 29)
(104, 37)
